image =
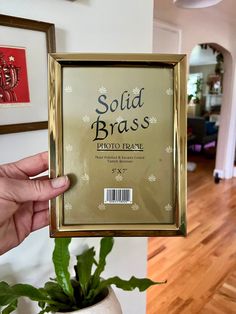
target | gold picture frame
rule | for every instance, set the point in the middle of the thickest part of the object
(84, 90)
(37, 38)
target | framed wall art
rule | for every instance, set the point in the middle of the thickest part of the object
(117, 128)
(24, 48)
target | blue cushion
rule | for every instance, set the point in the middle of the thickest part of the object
(210, 127)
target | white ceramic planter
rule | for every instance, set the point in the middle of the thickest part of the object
(109, 305)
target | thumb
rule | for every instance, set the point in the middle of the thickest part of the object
(21, 191)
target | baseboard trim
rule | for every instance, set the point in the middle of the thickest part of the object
(219, 172)
(234, 172)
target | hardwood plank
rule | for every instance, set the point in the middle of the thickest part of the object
(200, 269)
(224, 299)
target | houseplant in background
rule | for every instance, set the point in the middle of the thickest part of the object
(83, 292)
(197, 97)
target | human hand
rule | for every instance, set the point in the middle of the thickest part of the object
(24, 201)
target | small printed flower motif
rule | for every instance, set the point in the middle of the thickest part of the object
(119, 119)
(168, 208)
(68, 206)
(152, 178)
(85, 177)
(136, 91)
(135, 207)
(102, 90)
(101, 207)
(69, 148)
(119, 178)
(169, 149)
(169, 92)
(153, 120)
(68, 89)
(86, 119)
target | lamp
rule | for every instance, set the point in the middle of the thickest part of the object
(195, 4)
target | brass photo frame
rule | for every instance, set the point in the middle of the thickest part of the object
(117, 128)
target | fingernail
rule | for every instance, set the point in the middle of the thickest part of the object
(59, 182)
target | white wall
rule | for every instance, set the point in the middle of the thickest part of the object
(83, 26)
(166, 38)
(209, 26)
(92, 25)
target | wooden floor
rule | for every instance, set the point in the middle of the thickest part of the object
(200, 269)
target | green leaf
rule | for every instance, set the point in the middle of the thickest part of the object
(85, 262)
(41, 304)
(10, 294)
(56, 308)
(56, 292)
(48, 309)
(3, 286)
(10, 308)
(61, 259)
(25, 290)
(141, 283)
(106, 245)
(6, 296)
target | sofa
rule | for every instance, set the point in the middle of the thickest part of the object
(202, 131)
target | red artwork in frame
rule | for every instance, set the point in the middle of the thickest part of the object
(14, 86)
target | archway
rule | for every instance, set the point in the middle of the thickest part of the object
(212, 101)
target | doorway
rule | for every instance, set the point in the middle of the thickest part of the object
(205, 93)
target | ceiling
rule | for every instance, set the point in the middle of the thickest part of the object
(201, 56)
(225, 10)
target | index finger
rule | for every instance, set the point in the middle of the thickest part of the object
(33, 165)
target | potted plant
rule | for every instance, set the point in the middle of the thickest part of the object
(83, 292)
